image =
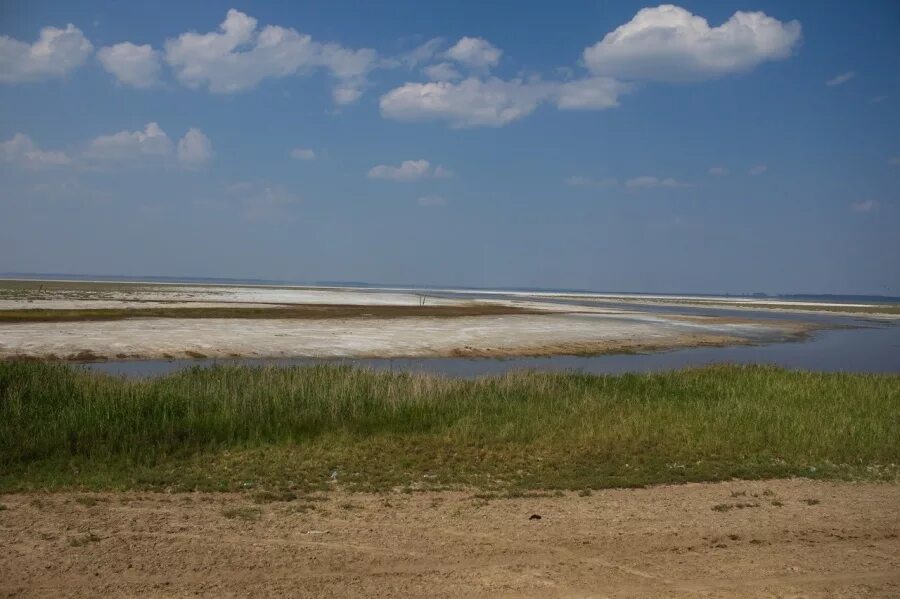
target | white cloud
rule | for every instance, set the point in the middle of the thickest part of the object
(841, 79)
(443, 71)
(302, 154)
(494, 102)
(590, 93)
(864, 206)
(194, 149)
(758, 169)
(151, 145)
(588, 182)
(55, 53)
(668, 43)
(346, 94)
(431, 201)
(718, 171)
(239, 56)
(649, 182)
(409, 170)
(137, 66)
(469, 103)
(474, 52)
(124, 146)
(350, 67)
(22, 151)
(642, 182)
(422, 53)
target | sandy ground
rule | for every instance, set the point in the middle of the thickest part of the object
(789, 538)
(506, 335)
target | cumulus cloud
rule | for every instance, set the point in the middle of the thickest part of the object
(151, 142)
(840, 79)
(137, 66)
(409, 170)
(474, 52)
(55, 53)
(650, 182)
(194, 149)
(149, 146)
(442, 71)
(668, 43)
(302, 154)
(22, 151)
(239, 56)
(590, 93)
(431, 201)
(758, 169)
(864, 206)
(718, 171)
(469, 103)
(588, 182)
(494, 102)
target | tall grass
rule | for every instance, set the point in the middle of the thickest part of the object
(227, 427)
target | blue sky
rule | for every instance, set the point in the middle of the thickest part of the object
(706, 147)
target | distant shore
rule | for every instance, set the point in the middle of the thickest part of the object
(115, 321)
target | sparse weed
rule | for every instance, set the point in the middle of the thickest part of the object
(249, 514)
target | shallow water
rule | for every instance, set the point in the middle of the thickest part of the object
(868, 347)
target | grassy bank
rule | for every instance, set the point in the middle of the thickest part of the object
(280, 428)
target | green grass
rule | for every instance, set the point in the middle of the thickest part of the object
(281, 429)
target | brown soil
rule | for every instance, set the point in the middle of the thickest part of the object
(300, 311)
(791, 538)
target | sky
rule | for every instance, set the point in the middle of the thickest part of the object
(715, 147)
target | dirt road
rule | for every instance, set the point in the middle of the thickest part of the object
(747, 539)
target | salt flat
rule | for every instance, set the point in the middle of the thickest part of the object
(561, 327)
